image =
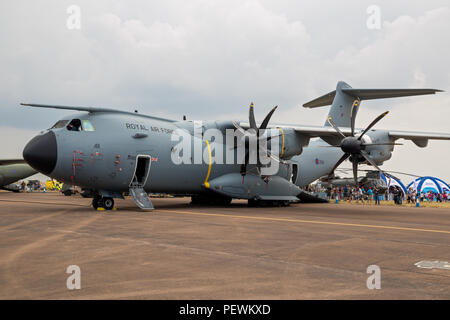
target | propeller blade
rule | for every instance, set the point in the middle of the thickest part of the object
(353, 115)
(328, 146)
(267, 118)
(243, 169)
(369, 159)
(374, 122)
(355, 171)
(251, 117)
(241, 131)
(238, 127)
(244, 165)
(331, 122)
(275, 158)
(342, 159)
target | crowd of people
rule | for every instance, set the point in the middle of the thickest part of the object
(375, 194)
(429, 196)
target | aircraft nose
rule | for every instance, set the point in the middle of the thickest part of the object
(41, 153)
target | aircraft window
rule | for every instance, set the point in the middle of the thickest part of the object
(74, 125)
(87, 126)
(60, 124)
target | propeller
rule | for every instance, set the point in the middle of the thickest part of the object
(251, 133)
(354, 147)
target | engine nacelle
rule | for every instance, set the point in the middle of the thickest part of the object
(379, 153)
(291, 143)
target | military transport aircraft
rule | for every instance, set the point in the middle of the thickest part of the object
(111, 152)
(12, 170)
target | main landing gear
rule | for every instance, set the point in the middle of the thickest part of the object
(102, 203)
(268, 203)
(211, 200)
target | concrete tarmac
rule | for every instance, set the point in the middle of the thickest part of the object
(179, 251)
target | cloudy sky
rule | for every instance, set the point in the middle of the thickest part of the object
(209, 59)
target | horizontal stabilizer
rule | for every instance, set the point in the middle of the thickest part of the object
(368, 94)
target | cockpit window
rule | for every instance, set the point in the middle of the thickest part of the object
(74, 125)
(78, 125)
(60, 124)
(87, 126)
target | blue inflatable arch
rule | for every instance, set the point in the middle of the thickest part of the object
(394, 182)
(431, 183)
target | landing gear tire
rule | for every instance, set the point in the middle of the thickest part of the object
(96, 202)
(211, 201)
(252, 203)
(196, 200)
(108, 203)
(105, 203)
(223, 201)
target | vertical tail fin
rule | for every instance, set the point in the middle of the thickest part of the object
(342, 106)
(345, 98)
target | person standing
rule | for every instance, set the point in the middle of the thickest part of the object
(370, 195)
(376, 195)
(360, 193)
(413, 196)
(329, 192)
(400, 196)
(395, 193)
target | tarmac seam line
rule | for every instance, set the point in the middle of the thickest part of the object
(307, 221)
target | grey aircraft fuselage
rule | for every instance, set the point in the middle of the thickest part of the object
(105, 158)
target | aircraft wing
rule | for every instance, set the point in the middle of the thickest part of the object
(325, 131)
(419, 138)
(5, 162)
(93, 110)
(410, 135)
(309, 131)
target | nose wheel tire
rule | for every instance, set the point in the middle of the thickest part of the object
(105, 203)
(108, 203)
(95, 202)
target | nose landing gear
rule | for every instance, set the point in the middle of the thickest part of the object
(103, 203)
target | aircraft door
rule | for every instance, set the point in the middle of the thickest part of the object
(140, 177)
(141, 170)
